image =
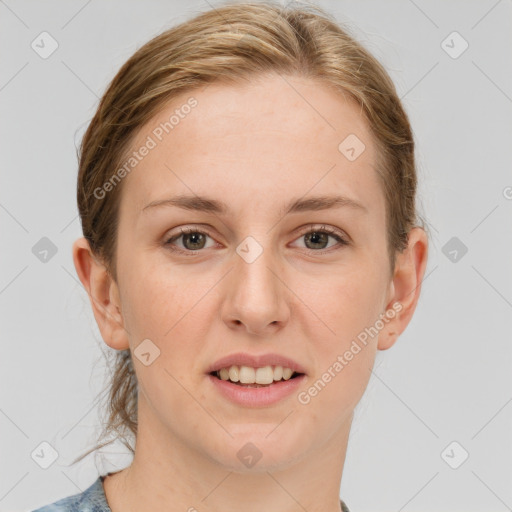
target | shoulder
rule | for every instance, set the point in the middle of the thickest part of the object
(344, 507)
(91, 500)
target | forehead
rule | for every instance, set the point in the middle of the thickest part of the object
(254, 146)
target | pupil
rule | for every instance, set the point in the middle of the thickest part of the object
(194, 236)
(314, 238)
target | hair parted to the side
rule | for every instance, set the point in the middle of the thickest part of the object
(234, 43)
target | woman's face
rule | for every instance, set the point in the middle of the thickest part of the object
(255, 282)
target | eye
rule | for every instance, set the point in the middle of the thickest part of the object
(317, 238)
(193, 240)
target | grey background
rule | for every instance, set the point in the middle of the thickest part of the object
(447, 378)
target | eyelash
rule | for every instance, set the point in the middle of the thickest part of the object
(184, 231)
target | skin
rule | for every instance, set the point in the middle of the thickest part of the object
(255, 147)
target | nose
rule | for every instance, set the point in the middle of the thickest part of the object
(256, 296)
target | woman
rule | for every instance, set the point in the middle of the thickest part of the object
(247, 196)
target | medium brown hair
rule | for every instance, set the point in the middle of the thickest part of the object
(234, 43)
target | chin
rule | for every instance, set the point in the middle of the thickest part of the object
(259, 452)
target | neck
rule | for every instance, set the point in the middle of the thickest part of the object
(169, 475)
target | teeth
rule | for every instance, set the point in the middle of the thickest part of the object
(248, 375)
(287, 373)
(233, 374)
(264, 375)
(224, 374)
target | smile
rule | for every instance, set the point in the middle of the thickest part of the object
(255, 377)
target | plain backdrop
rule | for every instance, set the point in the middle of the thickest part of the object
(434, 429)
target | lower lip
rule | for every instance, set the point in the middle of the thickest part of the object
(257, 397)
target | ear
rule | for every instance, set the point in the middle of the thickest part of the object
(405, 287)
(103, 293)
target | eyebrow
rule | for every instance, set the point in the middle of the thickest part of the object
(205, 204)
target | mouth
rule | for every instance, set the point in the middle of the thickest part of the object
(256, 387)
(256, 380)
(250, 377)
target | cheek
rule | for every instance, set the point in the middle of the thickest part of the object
(166, 306)
(348, 302)
(334, 395)
(156, 297)
(349, 305)
(344, 368)
(160, 307)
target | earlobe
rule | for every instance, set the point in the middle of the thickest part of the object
(405, 287)
(103, 295)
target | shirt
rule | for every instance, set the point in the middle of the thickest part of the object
(93, 499)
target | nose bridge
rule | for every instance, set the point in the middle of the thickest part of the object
(254, 268)
(257, 299)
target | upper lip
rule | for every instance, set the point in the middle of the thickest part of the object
(255, 361)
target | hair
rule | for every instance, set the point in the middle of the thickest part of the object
(233, 44)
